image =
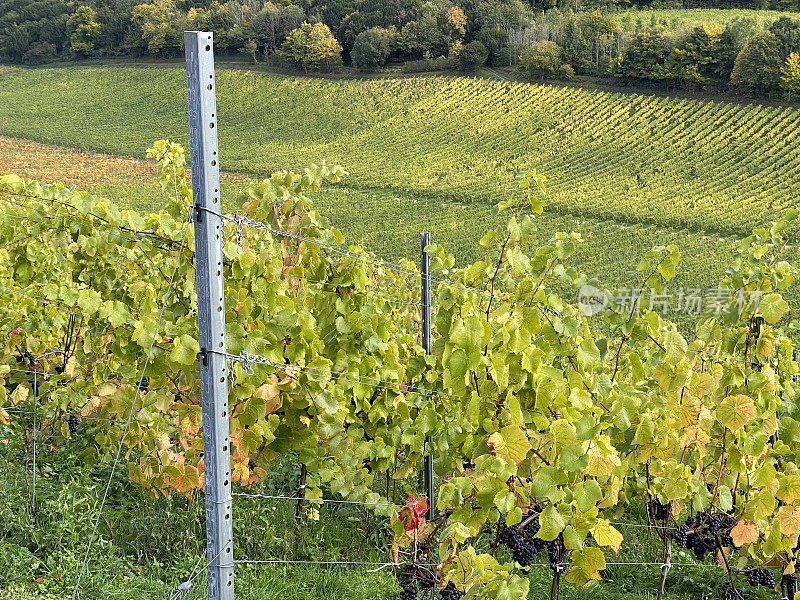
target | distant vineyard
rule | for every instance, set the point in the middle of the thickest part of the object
(677, 19)
(697, 164)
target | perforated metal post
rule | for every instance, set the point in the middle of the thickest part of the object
(201, 85)
(425, 267)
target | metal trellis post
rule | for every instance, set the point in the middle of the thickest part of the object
(201, 84)
(425, 271)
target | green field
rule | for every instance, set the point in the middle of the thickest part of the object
(678, 19)
(435, 153)
(700, 164)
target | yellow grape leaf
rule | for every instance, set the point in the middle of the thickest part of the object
(600, 463)
(789, 489)
(20, 394)
(789, 519)
(606, 535)
(745, 532)
(270, 393)
(91, 406)
(106, 389)
(734, 412)
(4, 418)
(510, 443)
(586, 566)
(70, 368)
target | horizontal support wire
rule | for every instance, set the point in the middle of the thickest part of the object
(242, 221)
(365, 292)
(248, 360)
(79, 219)
(334, 501)
(310, 500)
(391, 564)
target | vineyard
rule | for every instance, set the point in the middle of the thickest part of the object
(620, 452)
(529, 407)
(677, 19)
(701, 165)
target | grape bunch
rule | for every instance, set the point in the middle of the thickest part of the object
(699, 534)
(729, 592)
(73, 423)
(144, 384)
(450, 592)
(408, 585)
(756, 577)
(468, 464)
(427, 579)
(656, 510)
(413, 577)
(681, 536)
(522, 543)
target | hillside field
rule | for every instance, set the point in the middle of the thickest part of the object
(678, 19)
(698, 164)
(427, 153)
(626, 171)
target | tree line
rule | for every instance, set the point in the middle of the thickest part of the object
(756, 57)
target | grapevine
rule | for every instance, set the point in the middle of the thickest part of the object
(564, 416)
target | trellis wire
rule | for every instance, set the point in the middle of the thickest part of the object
(241, 221)
(365, 292)
(248, 360)
(102, 222)
(312, 500)
(392, 564)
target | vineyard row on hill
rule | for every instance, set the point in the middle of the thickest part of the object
(680, 163)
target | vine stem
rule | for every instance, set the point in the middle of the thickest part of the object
(666, 559)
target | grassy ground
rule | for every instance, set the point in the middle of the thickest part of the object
(146, 548)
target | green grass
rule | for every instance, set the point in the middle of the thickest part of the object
(630, 157)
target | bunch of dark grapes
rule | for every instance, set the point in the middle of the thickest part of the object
(468, 464)
(144, 384)
(656, 510)
(73, 423)
(729, 592)
(450, 592)
(427, 579)
(701, 545)
(681, 536)
(522, 543)
(756, 577)
(699, 534)
(408, 585)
